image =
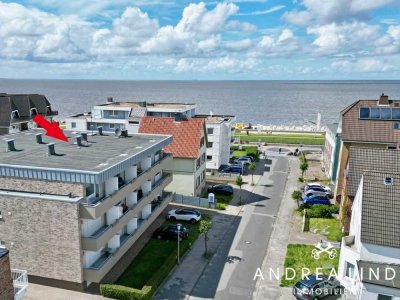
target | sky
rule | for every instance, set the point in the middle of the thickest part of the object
(173, 40)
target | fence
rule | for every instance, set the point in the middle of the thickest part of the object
(191, 200)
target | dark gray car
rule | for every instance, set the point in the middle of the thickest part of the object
(315, 288)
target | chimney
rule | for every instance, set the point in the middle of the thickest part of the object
(79, 140)
(39, 138)
(110, 100)
(51, 149)
(84, 136)
(10, 145)
(383, 100)
(100, 130)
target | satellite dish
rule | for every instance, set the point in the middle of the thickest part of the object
(118, 132)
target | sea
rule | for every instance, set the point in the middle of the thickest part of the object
(288, 103)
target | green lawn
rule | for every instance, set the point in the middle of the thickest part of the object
(224, 198)
(239, 153)
(328, 227)
(153, 256)
(305, 139)
(299, 256)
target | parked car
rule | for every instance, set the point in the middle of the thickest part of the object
(317, 185)
(317, 199)
(251, 158)
(233, 169)
(243, 160)
(171, 232)
(223, 189)
(315, 287)
(185, 214)
(310, 192)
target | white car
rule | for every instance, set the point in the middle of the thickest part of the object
(243, 160)
(185, 214)
(311, 185)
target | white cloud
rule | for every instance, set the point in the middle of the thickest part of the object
(225, 64)
(301, 18)
(364, 65)
(286, 43)
(263, 12)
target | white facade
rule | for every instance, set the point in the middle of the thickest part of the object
(354, 250)
(219, 138)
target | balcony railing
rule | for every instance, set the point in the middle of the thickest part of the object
(101, 261)
(20, 282)
(97, 201)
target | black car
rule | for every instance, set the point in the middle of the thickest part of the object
(316, 287)
(223, 189)
(171, 232)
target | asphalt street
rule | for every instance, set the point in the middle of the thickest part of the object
(230, 272)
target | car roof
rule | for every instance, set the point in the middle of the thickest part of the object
(312, 280)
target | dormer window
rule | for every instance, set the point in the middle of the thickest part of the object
(15, 114)
(33, 112)
(48, 109)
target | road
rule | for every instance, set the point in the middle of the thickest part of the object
(230, 272)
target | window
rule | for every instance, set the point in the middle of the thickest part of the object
(364, 113)
(202, 142)
(210, 131)
(209, 157)
(384, 297)
(375, 113)
(388, 181)
(112, 126)
(209, 145)
(15, 114)
(395, 113)
(33, 112)
(113, 112)
(396, 126)
(349, 270)
(73, 124)
(386, 113)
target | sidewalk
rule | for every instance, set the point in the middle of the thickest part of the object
(269, 288)
(183, 279)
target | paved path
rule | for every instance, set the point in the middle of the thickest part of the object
(40, 292)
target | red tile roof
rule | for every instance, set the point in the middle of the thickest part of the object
(186, 134)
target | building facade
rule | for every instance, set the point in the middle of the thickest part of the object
(72, 210)
(17, 111)
(330, 154)
(188, 149)
(369, 265)
(6, 283)
(219, 139)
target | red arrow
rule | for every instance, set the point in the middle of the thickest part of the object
(52, 129)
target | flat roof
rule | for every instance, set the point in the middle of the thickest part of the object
(147, 104)
(99, 154)
(216, 119)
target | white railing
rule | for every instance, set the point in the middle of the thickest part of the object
(20, 282)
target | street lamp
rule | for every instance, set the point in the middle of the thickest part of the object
(179, 237)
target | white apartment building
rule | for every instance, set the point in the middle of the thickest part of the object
(369, 266)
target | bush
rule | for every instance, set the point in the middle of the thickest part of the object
(301, 179)
(320, 210)
(120, 292)
(221, 206)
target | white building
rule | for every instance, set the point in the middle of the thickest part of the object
(369, 266)
(126, 115)
(219, 139)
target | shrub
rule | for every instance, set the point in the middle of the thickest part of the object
(120, 292)
(320, 210)
(301, 179)
(221, 206)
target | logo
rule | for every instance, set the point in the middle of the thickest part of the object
(319, 249)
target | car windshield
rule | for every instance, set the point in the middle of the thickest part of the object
(301, 286)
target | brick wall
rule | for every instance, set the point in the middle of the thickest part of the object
(6, 285)
(43, 237)
(42, 186)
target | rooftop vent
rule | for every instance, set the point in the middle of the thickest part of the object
(10, 145)
(388, 181)
(51, 150)
(100, 130)
(110, 100)
(383, 100)
(84, 136)
(79, 140)
(39, 138)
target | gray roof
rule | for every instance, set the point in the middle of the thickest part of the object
(138, 112)
(5, 111)
(380, 212)
(103, 154)
(370, 159)
(366, 267)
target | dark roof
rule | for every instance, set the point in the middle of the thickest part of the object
(366, 267)
(3, 252)
(380, 222)
(5, 111)
(186, 134)
(377, 131)
(370, 159)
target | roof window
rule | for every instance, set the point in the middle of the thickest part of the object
(388, 181)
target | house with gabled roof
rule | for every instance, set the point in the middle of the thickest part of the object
(188, 149)
(369, 265)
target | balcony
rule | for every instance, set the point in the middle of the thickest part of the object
(105, 263)
(104, 234)
(20, 282)
(96, 207)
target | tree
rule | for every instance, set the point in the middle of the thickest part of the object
(303, 167)
(252, 168)
(204, 227)
(296, 195)
(239, 183)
